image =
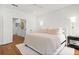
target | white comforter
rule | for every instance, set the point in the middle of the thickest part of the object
(44, 43)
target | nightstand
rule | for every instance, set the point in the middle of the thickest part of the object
(73, 41)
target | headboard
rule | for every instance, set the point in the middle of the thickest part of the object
(50, 30)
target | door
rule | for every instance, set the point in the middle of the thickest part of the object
(1, 30)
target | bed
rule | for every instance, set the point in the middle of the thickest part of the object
(44, 43)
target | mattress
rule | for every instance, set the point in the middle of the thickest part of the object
(44, 43)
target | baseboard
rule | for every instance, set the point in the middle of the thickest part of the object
(6, 44)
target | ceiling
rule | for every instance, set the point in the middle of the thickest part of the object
(38, 8)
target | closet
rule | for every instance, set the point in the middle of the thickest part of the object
(5, 30)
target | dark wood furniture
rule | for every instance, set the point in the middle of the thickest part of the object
(73, 42)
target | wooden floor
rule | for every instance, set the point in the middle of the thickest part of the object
(11, 49)
(76, 52)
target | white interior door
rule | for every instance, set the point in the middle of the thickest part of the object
(1, 30)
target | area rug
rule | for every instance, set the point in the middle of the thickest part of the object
(67, 51)
(27, 51)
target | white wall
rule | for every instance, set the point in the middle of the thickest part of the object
(61, 18)
(32, 23)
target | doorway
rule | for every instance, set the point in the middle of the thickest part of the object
(19, 30)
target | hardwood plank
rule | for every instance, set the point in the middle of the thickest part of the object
(11, 49)
(18, 39)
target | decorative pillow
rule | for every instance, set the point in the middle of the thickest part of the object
(44, 30)
(52, 31)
